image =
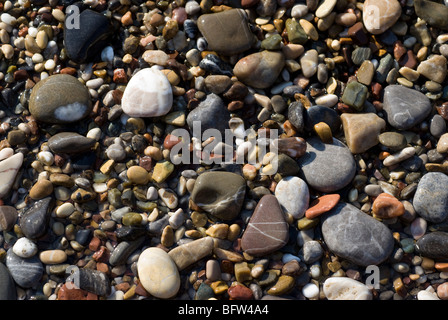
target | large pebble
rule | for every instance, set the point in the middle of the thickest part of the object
(219, 193)
(158, 273)
(8, 172)
(34, 221)
(405, 107)
(267, 230)
(260, 69)
(344, 288)
(361, 130)
(147, 94)
(327, 167)
(226, 32)
(431, 197)
(70, 142)
(433, 245)
(211, 113)
(380, 15)
(86, 34)
(293, 196)
(356, 236)
(25, 272)
(60, 98)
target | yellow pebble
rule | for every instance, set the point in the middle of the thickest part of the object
(323, 131)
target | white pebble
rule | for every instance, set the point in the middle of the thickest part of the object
(94, 133)
(94, 83)
(25, 248)
(6, 153)
(426, 295)
(7, 18)
(152, 194)
(299, 10)
(50, 64)
(32, 31)
(99, 187)
(46, 158)
(344, 288)
(310, 290)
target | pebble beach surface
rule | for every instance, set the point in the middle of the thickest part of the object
(93, 205)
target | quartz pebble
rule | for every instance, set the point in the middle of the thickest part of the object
(343, 288)
(147, 94)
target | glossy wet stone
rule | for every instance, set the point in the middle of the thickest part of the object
(34, 221)
(226, 32)
(378, 16)
(267, 230)
(260, 69)
(293, 196)
(433, 245)
(355, 236)
(60, 98)
(85, 37)
(25, 272)
(221, 194)
(70, 142)
(8, 172)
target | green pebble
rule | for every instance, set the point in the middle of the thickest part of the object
(306, 224)
(131, 219)
(146, 206)
(204, 292)
(355, 94)
(408, 245)
(272, 43)
(296, 34)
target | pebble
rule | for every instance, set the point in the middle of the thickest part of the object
(41, 189)
(8, 172)
(89, 37)
(8, 217)
(8, 289)
(405, 107)
(25, 248)
(430, 198)
(221, 194)
(433, 68)
(70, 142)
(343, 288)
(433, 245)
(327, 167)
(226, 32)
(259, 70)
(386, 206)
(53, 256)
(393, 140)
(310, 291)
(361, 130)
(158, 273)
(321, 205)
(344, 230)
(60, 99)
(202, 115)
(34, 221)
(147, 94)
(293, 196)
(191, 252)
(308, 62)
(25, 272)
(267, 231)
(378, 16)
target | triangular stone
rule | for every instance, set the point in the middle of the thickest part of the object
(267, 230)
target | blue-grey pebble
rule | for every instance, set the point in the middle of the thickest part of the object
(353, 235)
(327, 167)
(25, 272)
(7, 285)
(34, 221)
(431, 197)
(433, 245)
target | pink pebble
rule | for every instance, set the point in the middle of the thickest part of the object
(180, 15)
(418, 228)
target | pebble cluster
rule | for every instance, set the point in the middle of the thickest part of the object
(93, 207)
